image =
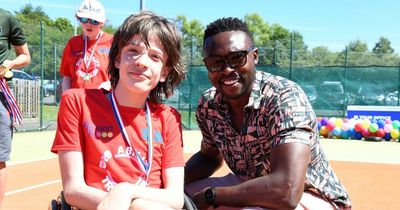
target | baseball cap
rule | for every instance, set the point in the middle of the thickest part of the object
(92, 9)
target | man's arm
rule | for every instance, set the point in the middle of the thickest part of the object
(202, 165)
(23, 58)
(281, 189)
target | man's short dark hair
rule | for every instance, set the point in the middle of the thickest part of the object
(226, 24)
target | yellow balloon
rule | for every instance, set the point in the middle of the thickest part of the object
(338, 122)
(394, 134)
(365, 123)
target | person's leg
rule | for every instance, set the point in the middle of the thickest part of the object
(5, 145)
(311, 201)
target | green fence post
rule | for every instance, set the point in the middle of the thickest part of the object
(190, 84)
(55, 74)
(291, 57)
(42, 74)
(345, 81)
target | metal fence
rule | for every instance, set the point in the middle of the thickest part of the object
(331, 80)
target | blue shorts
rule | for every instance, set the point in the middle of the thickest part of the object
(6, 130)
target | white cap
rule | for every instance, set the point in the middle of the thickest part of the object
(92, 9)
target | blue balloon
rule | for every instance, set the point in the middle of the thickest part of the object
(337, 131)
(324, 121)
(381, 123)
(345, 134)
(358, 135)
(387, 137)
(351, 132)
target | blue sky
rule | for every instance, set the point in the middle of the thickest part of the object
(322, 23)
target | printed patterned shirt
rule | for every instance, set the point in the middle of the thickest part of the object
(278, 112)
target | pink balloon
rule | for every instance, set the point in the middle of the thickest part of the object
(387, 128)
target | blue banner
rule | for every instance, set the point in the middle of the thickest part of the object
(373, 112)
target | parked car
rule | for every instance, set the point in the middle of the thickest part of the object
(18, 74)
(50, 88)
(370, 95)
(331, 93)
(311, 93)
(392, 98)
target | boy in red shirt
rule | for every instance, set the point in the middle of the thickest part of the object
(85, 58)
(124, 148)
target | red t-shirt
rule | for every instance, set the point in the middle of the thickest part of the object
(86, 123)
(91, 71)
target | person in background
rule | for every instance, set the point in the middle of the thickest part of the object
(85, 58)
(123, 148)
(265, 130)
(11, 37)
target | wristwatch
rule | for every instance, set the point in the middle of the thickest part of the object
(209, 197)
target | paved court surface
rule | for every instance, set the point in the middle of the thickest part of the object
(369, 170)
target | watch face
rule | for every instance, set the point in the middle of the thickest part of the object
(209, 196)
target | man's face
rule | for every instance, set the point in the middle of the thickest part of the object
(230, 60)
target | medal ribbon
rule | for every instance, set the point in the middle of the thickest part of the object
(143, 166)
(12, 108)
(89, 60)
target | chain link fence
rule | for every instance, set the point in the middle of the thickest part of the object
(332, 80)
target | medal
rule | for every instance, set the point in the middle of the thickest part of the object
(5, 72)
(86, 77)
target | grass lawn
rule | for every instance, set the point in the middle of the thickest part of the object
(50, 112)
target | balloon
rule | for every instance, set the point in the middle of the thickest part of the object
(394, 134)
(358, 135)
(373, 127)
(395, 124)
(324, 121)
(324, 131)
(366, 123)
(388, 121)
(337, 131)
(387, 137)
(345, 126)
(387, 128)
(345, 134)
(381, 123)
(365, 132)
(380, 133)
(338, 122)
(351, 132)
(330, 125)
(358, 127)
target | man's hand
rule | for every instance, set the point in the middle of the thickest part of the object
(198, 199)
(5, 70)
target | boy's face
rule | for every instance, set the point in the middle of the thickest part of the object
(91, 30)
(142, 67)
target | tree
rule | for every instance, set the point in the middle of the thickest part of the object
(357, 46)
(192, 33)
(383, 47)
(259, 28)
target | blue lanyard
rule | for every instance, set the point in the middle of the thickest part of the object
(143, 166)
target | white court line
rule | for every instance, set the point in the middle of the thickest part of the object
(32, 187)
(29, 161)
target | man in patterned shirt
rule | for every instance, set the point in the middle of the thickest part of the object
(265, 130)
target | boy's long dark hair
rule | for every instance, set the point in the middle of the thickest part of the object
(145, 24)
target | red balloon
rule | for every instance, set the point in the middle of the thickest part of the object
(365, 132)
(358, 127)
(380, 133)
